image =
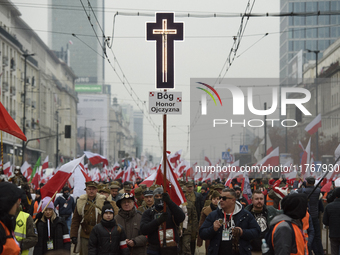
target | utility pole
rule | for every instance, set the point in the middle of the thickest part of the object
(25, 55)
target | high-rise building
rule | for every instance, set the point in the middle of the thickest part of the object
(315, 32)
(84, 52)
(138, 128)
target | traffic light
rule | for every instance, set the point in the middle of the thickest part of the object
(67, 131)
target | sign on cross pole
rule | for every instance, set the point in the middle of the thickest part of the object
(164, 32)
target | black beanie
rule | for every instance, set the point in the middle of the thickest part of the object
(107, 208)
(10, 194)
(295, 205)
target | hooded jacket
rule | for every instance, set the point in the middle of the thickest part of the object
(242, 218)
(283, 236)
(130, 221)
(59, 235)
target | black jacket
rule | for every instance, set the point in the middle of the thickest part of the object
(313, 203)
(331, 218)
(199, 204)
(149, 225)
(99, 242)
(59, 235)
(66, 207)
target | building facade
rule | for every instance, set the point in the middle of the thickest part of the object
(85, 53)
(50, 100)
(306, 32)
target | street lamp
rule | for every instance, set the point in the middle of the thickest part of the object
(57, 149)
(25, 55)
(100, 139)
(85, 132)
(316, 52)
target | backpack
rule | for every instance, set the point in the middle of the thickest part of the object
(268, 238)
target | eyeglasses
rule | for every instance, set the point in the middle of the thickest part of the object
(225, 198)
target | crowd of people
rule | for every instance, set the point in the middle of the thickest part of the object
(131, 218)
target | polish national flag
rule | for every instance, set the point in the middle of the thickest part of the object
(234, 173)
(150, 180)
(116, 166)
(119, 174)
(96, 158)
(301, 146)
(45, 164)
(175, 157)
(26, 170)
(208, 160)
(176, 194)
(57, 182)
(272, 159)
(305, 158)
(8, 169)
(128, 175)
(257, 153)
(312, 127)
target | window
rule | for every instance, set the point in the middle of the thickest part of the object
(311, 33)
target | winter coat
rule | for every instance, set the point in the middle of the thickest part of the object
(91, 212)
(66, 206)
(242, 218)
(59, 235)
(331, 218)
(284, 235)
(131, 223)
(269, 213)
(204, 214)
(149, 225)
(99, 241)
(313, 203)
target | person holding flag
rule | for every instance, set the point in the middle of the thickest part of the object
(153, 219)
(86, 215)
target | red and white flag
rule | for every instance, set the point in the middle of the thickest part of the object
(312, 127)
(305, 161)
(175, 157)
(260, 148)
(8, 169)
(176, 194)
(57, 182)
(234, 172)
(301, 146)
(150, 180)
(128, 174)
(272, 159)
(208, 160)
(26, 170)
(45, 163)
(96, 158)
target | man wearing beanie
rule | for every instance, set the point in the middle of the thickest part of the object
(153, 218)
(52, 230)
(108, 237)
(66, 206)
(85, 216)
(287, 232)
(9, 201)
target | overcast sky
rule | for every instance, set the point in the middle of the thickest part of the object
(201, 55)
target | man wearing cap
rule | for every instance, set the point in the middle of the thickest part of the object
(314, 204)
(129, 218)
(152, 219)
(240, 197)
(139, 196)
(66, 205)
(331, 195)
(331, 218)
(86, 215)
(148, 201)
(114, 191)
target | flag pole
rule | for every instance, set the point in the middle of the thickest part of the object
(164, 174)
(47, 205)
(323, 177)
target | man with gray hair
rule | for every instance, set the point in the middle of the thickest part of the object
(153, 218)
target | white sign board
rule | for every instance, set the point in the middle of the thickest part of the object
(165, 102)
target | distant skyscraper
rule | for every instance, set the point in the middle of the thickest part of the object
(138, 128)
(67, 17)
(310, 32)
